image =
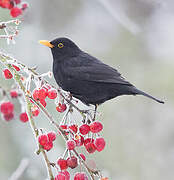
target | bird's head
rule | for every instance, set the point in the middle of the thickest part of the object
(62, 48)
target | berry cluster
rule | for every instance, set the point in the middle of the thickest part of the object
(16, 7)
(80, 136)
(46, 140)
(87, 134)
(40, 94)
(7, 107)
(77, 137)
(8, 74)
(7, 110)
(71, 162)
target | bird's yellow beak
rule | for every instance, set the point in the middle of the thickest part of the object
(46, 43)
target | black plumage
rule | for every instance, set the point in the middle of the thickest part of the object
(86, 77)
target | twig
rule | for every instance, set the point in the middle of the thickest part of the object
(2, 26)
(32, 124)
(9, 31)
(52, 121)
(120, 17)
(32, 70)
(35, 130)
(48, 115)
(20, 170)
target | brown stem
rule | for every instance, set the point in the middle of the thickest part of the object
(35, 130)
(32, 124)
(2, 26)
(58, 89)
(50, 118)
(52, 121)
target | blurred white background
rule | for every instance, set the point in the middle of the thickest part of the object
(137, 38)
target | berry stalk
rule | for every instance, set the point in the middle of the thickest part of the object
(95, 127)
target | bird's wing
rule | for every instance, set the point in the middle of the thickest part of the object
(87, 68)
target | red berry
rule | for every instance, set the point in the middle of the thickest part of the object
(62, 163)
(73, 128)
(88, 140)
(16, 67)
(43, 139)
(24, 6)
(48, 146)
(15, 12)
(11, 5)
(84, 129)
(60, 176)
(24, 117)
(90, 147)
(79, 141)
(83, 156)
(72, 162)
(13, 94)
(35, 111)
(36, 94)
(63, 126)
(52, 93)
(80, 176)
(23, 78)
(17, 1)
(67, 175)
(7, 107)
(5, 3)
(63, 175)
(51, 136)
(61, 107)
(43, 102)
(100, 144)
(96, 127)
(42, 94)
(7, 74)
(8, 117)
(70, 144)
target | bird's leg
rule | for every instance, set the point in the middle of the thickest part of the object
(87, 115)
(95, 112)
(85, 111)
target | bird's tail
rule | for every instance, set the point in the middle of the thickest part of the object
(149, 96)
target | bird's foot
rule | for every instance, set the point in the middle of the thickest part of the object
(85, 111)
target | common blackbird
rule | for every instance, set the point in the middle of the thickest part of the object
(85, 77)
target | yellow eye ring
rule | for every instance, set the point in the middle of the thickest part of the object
(60, 45)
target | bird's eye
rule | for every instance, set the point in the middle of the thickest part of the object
(60, 45)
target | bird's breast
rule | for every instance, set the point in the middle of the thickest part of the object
(60, 76)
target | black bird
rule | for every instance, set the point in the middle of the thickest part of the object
(86, 77)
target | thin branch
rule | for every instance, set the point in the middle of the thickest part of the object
(32, 70)
(7, 36)
(50, 118)
(10, 29)
(20, 170)
(32, 124)
(16, 21)
(58, 89)
(120, 16)
(2, 26)
(52, 121)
